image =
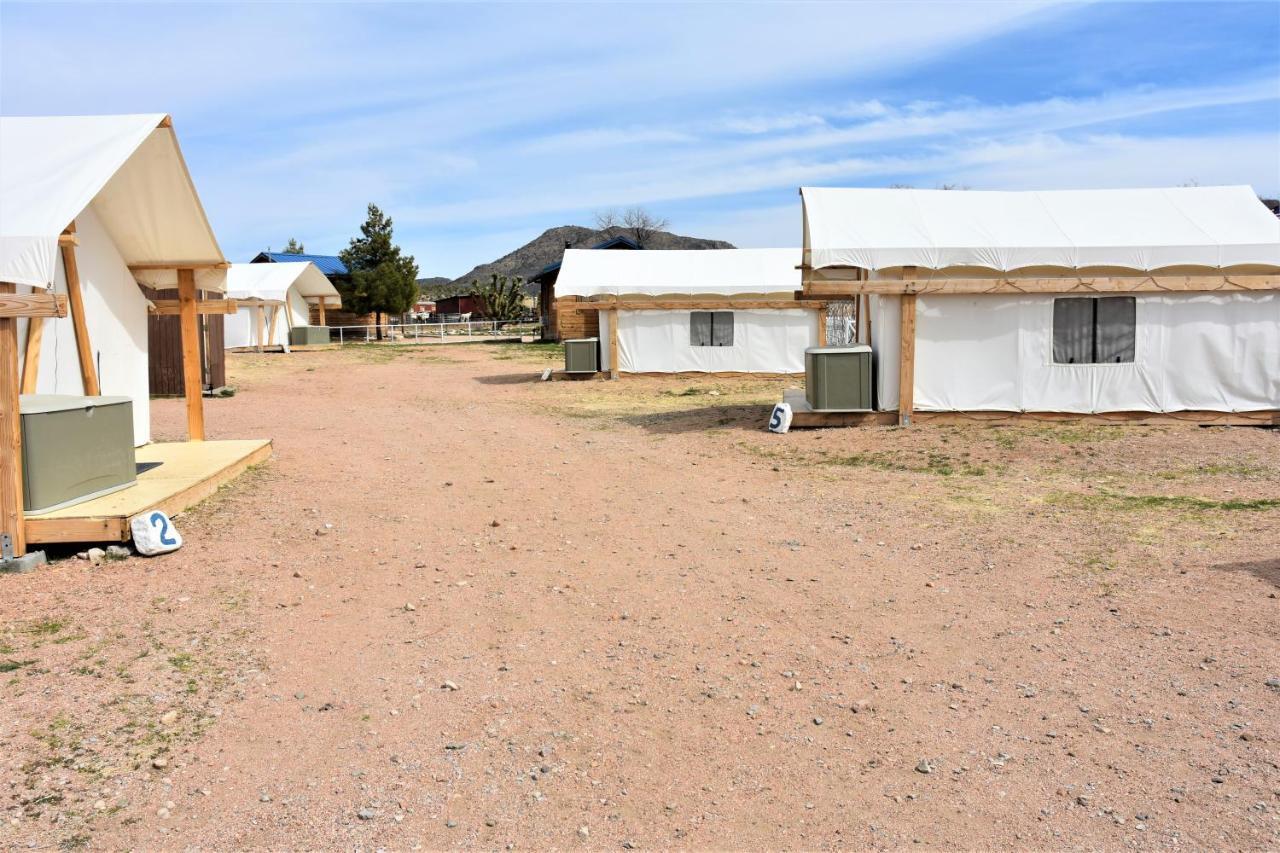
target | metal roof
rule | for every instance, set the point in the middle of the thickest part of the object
(327, 264)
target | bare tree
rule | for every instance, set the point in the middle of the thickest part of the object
(608, 221)
(642, 224)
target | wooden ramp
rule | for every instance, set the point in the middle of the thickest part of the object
(174, 476)
(803, 416)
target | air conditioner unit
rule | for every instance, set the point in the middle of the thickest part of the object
(74, 449)
(300, 336)
(838, 379)
(582, 355)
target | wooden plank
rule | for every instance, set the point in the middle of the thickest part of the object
(689, 305)
(88, 373)
(68, 240)
(613, 345)
(37, 304)
(11, 522)
(192, 388)
(1080, 284)
(907, 360)
(320, 305)
(31, 358)
(181, 265)
(822, 326)
(261, 326)
(189, 472)
(173, 307)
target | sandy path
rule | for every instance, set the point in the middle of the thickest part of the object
(661, 635)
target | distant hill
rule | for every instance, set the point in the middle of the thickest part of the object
(528, 260)
(434, 287)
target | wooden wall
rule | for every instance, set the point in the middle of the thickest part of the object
(164, 346)
(577, 324)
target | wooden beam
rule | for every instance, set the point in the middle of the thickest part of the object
(1080, 284)
(38, 304)
(11, 520)
(907, 360)
(167, 121)
(192, 386)
(321, 307)
(173, 307)
(275, 313)
(689, 305)
(180, 265)
(31, 359)
(822, 326)
(613, 344)
(261, 326)
(68, 240)
(88, 373)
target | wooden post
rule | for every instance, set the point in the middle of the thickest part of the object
(88, 374)
(907, 360)
(321, 306)
(275, 313)
(31, 361)
(822, 326)
(191, 384)
(262, 326)
(11, 520)
(613, 344)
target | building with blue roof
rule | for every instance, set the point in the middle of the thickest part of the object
(330, 265)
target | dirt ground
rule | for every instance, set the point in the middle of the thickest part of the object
(460, 607)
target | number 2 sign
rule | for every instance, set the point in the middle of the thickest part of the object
(154, 533)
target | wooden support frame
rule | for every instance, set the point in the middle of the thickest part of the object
(180, 265)
(912, 283)
(613, 345)
(11, 519)
(822, 326)
(907, 360)
(173, 307)
(193, 387)
(320, 305)
(260, 316)
(570, 304)
(275, 314)
(36, 305)
(84, 349)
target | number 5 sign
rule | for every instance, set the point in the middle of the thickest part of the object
(154, 533)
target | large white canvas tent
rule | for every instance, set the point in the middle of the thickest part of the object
(113, 194)
(1087, 302)
(267, 292)
(686, 311)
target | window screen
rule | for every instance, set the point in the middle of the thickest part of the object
(1094, 331)
(711, 328)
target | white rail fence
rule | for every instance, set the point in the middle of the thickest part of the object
(428, 333)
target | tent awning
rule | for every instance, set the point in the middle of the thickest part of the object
(273, 282)
(585, 272)
(130, 169)
(1142, 229)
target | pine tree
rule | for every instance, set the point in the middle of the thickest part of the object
(294, 248)
(383, 281)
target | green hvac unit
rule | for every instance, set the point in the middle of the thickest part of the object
(302, 336)
(74, 449)
(838, 379)
(582, 355)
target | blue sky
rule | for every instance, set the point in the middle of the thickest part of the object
(477, 126)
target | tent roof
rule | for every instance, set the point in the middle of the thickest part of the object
(1145, 229)
(273, 281)
(128, 167)
(585, 272)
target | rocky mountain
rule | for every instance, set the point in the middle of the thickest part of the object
(433, 286)
(528, 260)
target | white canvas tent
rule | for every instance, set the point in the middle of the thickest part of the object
(267, 292)
(989, 301)
(656, 309)
(113, 194)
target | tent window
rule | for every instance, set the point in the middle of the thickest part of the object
(1094, 331)
(710, 328)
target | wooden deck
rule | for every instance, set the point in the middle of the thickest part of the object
(175, 477)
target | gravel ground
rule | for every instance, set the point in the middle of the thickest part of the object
(464, 608)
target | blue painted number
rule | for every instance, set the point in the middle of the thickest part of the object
(157, 518)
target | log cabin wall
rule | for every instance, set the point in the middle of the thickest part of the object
(164, 348)
(577, 324)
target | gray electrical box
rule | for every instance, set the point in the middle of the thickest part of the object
(301, 336)
(74, 449)
(838, 379)
(582, 355)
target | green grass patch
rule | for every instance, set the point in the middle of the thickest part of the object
(10, 665)
(536, 351)
(45, 627)
(182, 662)
(938, 464)
(1116, 500)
